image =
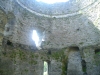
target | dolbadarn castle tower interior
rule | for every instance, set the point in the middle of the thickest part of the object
(49, 37)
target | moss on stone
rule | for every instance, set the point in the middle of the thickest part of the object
(84, 70)
(33, 62)
(22, 55)
(64, 65)
(57, 55)
(13, 54)
(26, 70)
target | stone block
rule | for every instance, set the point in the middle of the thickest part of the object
(1, 30)
(1, 38)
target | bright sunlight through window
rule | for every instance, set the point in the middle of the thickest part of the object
(52, 1)
(45, 68)
(35, 37)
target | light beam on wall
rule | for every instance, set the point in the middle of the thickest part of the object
(35, 37)
(52, 1)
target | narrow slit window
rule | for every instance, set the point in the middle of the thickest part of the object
(84, 66)
(45, 71)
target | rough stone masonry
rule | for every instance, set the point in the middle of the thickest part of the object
(71, 33)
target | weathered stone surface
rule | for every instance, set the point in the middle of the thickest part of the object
(1, 39)
(55, 67)
(74, 63)
(61, 32)
(75, 23)
(3, 18)
(92, 68)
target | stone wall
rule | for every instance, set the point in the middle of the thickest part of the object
(15, 61)
(63, 36)
(74, 30)
(74, 62)
(67, 61)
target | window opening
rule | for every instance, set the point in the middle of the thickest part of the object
(35, 37)
(84, 66)
(45, 72)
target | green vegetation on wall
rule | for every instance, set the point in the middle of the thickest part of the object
(61, 57)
